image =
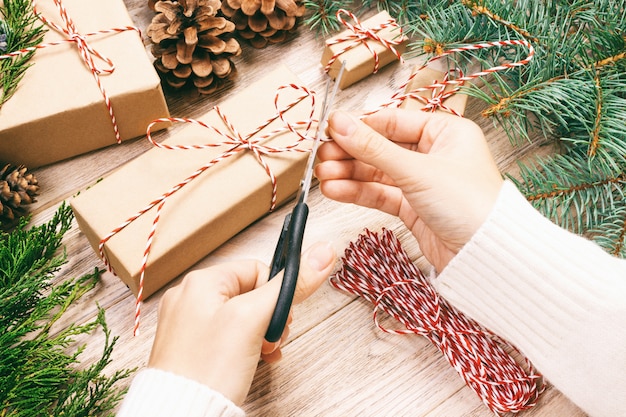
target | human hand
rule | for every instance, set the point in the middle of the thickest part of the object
(434, 171)
(212, 326)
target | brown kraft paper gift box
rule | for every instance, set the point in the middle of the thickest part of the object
(58, 111)
(213, 207)
(428, 76)
(359, 60)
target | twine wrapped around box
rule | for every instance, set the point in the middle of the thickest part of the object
(366, 47)
(187, 240)
(87, 52)
(64, 119)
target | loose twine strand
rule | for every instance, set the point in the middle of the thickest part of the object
(235, 143)
(360, 35)
(448, 86)
(377, 268)
(87, 52)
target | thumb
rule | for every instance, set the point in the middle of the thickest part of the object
(316, 264)
(364, 143)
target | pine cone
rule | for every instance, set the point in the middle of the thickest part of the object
(264, 21)
(17, 189)
(192, 44)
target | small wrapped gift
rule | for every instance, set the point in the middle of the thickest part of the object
(428, 89)
(214, 176)
(60, 108)
(365, 47)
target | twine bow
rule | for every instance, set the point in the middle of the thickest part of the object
(236, 143)
(360, 35)
(441, 90)
(438, 95)
(377, 268)
(87, 52)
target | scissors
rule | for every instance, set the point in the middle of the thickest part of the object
(289, 247)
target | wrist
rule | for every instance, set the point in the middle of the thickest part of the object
(157, 393)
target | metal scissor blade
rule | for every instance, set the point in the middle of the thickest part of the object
(289, 248)
(329, 98)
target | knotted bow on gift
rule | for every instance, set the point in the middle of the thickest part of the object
(377, 268)
(235, 143)
(441, 90)
(87, 52)
(360, 35)
(438, 95)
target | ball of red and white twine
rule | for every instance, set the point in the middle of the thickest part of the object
(377, 268)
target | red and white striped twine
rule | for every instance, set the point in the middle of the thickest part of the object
(235, 143)
(87, 52)
(438, 95)
(438, 88)
(377, 268)
(360, 35)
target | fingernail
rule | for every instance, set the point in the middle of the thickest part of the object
(321, 255)
(342, 123)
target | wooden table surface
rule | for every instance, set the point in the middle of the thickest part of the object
(336, 363)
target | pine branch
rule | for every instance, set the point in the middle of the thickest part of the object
(572, 192)
(439, 30)
(611, 233)
(478, 8)
(89, 393)
(19, 29)
(573, 92)
(38, 373)
(606, 133)
(405, 11)
(31, 252)
(570, 41)
(322, 15)
(579, 197)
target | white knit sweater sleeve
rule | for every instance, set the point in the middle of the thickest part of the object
(556, 296)
(156, 393)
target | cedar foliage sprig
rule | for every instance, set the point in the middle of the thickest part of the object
(39, 375)
(19, 29)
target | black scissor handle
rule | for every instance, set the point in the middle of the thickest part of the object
(291, 252)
